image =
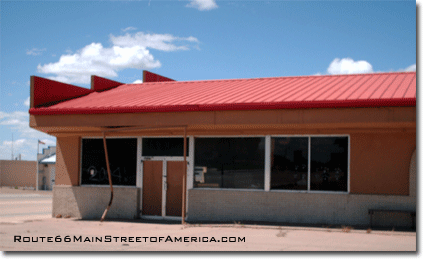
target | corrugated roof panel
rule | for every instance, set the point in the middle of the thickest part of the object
(246, 92)
(310, 89)
(201, 95)
(344, 91)
(310, 96)
(335, 89)
(362, 90)
(300, 86)
(369, 90)
(387, 94)
(357, 89)
(273, 89)
(402, 89)
(411, 90)
(387, 84)
(242, 92)
(230, 93)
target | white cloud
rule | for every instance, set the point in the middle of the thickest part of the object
(16, 143)
(203, 5)
(411, 68)
(25, 138)
(162, 42)
(27, 102)
(130, 28)
(128, 51)
(349, 66)
(138, 81)
(35, 51)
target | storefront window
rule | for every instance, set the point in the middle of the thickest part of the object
(157, 147)
(289, 163)
(329, 163)
(122, 158)
(229, 163)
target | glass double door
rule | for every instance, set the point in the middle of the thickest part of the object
(162, 187)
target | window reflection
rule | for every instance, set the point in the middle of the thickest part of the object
(289, 163)
(329, 163)
(229, 162)
(162, 147)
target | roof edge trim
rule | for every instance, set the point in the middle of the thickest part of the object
(370, 103)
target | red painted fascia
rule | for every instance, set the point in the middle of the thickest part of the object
(228, 107)
(99, 84)
(153, 77)
(45, 92)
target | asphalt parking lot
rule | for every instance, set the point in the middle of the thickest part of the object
(20, 205)
(26, 225)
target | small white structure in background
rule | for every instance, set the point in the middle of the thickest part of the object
(46, 168)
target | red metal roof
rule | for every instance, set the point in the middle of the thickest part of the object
(328, 91)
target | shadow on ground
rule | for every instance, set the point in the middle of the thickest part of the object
(252, 223)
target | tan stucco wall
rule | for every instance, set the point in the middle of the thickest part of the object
(380, 162)
(18, 173)
(413, 175)
(67, 161)
(304, 118)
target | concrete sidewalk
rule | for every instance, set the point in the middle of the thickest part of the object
(142, 236)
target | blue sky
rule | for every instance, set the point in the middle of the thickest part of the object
(190, 40)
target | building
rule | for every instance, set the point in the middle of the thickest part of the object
(18, 174)
(46, 168)
(307, 150)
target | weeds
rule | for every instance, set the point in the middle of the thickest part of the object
(346, 229)
(281, 233)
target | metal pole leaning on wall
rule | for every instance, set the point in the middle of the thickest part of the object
(109, 178)
(38, 143)
(184, 177)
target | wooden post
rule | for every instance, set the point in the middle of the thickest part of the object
(184, 177)
(109, 178)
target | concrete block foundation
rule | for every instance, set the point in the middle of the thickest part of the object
(90, 202)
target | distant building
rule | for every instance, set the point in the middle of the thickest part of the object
(46, 168)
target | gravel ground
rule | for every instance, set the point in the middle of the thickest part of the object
(140, 236)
